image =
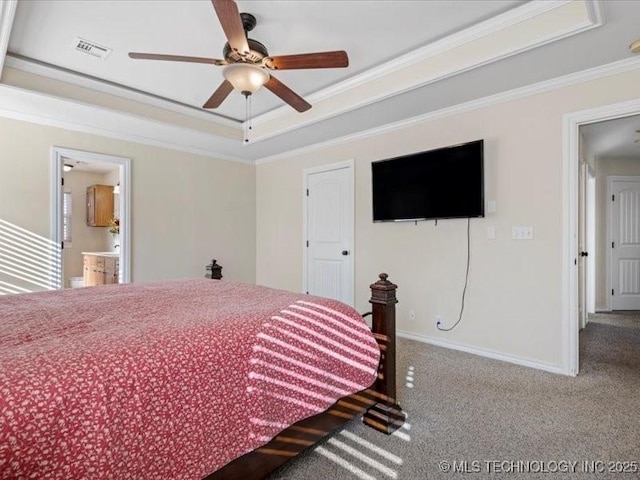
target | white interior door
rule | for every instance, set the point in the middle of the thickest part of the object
(625, 247)
(582, 247)
(329, 233)
(586, 243)
(591, 240)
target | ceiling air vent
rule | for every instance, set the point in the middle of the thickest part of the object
(91, 48)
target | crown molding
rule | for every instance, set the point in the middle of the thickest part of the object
(615, 68)
(517, 16)
(7, 15)
(507, 19)
(595, 11)
(91, 83)
(47, 110)
(268, 122)
(39, 108)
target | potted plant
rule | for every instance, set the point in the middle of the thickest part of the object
(114, 230)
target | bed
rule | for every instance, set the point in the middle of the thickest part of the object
(185, 379)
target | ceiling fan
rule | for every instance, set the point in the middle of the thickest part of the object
(246, 60)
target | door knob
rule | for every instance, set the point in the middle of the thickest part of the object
(584, 254)
(345, 252)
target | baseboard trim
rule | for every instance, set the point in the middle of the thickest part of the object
(483, 352)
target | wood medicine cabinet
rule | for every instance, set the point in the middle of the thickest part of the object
(99, 205)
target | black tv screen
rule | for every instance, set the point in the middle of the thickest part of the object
(443, 183)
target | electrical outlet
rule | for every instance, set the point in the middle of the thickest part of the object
(412, 315)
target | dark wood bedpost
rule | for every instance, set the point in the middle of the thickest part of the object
(386, 415)
(377, 403)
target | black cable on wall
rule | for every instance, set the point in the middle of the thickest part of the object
(466, 281)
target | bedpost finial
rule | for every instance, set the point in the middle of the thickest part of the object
(214, 270)
(383, 291)
(383, 282)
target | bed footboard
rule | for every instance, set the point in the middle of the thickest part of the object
(378, 403)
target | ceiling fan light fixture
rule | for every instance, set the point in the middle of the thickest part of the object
(245, 77)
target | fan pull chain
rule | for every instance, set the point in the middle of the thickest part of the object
(248, 117)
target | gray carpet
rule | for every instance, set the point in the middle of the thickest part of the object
(619, 318)
(467, 408)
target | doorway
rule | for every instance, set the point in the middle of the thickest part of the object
(328, 230)
(573, 125)
(90, 217)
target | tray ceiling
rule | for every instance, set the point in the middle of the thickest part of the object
(407, 58)
(372, 32)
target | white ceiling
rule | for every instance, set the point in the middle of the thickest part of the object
(93, 167)
(371, 32)
(374, 33)
(613, 138)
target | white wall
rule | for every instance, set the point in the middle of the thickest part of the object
(514, 304)
(604, 168)
(186, 209)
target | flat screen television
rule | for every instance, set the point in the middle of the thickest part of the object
(443, 183)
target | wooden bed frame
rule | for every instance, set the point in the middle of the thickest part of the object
(378, 402)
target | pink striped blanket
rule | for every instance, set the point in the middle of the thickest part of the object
(166, 380)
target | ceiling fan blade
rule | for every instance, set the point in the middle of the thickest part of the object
(288, 95)
(176, 58)
(229, 17)
(219, 95)
(336, 59)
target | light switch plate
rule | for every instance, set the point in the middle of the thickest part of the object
(491, 232)
(522, 232)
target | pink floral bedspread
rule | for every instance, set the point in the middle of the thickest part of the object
(166, 380)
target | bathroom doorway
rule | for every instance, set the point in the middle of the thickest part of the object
(90, 218)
